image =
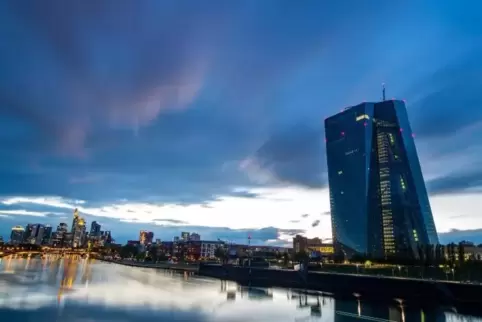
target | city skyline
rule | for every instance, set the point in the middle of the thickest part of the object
(215, 125)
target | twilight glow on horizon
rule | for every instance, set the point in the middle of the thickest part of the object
(208, 116)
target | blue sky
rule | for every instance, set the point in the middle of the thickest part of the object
(208, 116)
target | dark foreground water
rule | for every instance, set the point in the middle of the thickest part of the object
(87, 290)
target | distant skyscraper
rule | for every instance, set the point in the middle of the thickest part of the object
(146, 237)
(75, 220)
(62, 227)
(78, 230)
(185, 236)
(37, 234)
(47, 234)
(95, 229)
(379, 203)
(59, 237)
(28, 233)
(195, 237)
(17, 235)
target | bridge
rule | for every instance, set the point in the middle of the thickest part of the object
(33, 250)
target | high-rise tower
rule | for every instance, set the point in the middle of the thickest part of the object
(379, 203)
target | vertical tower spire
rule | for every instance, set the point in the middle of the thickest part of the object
(383, 91)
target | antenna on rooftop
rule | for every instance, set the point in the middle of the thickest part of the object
(383, 91)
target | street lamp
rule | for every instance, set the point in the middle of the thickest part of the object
(357, 268)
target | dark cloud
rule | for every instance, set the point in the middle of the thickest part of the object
(135, 104)
(291, 232)
(326, 213)
(461, 181)
(315, 223)
(295, 155)
(305, 215)
(451, 101)
(294, 221)
(456, 236)
(170, 221)
(244, 194)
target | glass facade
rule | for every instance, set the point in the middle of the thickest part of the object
(379, 202)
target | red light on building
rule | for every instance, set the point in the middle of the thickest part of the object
(365, 124)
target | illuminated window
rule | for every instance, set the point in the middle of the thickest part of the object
(340, 172)
(362, 117)
(402, 184)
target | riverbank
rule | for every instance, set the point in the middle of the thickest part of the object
(380, 288)
(348, 285)
(176, 267)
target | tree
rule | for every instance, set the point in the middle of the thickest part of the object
(220, 253)
(461, 254)
(286, 258)
(128, 251)
(301, 256)
(141, 256)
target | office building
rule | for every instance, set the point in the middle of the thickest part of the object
(379, 203)
(59, 236)
(75, 221)
(78, 230)
(185, 236)
(95, 230)
(37, 234)
(17, 235)
(146, 237)
(47, 234)
(28, 233)
(195, 237)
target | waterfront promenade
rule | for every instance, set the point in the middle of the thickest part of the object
(341, 285)
(186, 267)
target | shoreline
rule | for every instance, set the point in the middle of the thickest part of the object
(462, 295)
(194, 268)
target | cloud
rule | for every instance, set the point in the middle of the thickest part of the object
(293, 156)
(244, 194)
(170, 221)
(295, 221)
(305, 216)
(326, 213)
(26, 213)
(156, 111)
(462, 180)
(435, 112)
(315, 223)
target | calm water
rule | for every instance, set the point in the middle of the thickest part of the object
(82, 290)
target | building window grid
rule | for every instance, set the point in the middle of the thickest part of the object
(385, 193)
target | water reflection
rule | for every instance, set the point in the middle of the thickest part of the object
(74, 289)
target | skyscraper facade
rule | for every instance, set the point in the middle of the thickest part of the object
(95, 229)
(47, 235)
(17, 235)
(146, 237)
(379, 203)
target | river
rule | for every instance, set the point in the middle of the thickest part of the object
(84, 290)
